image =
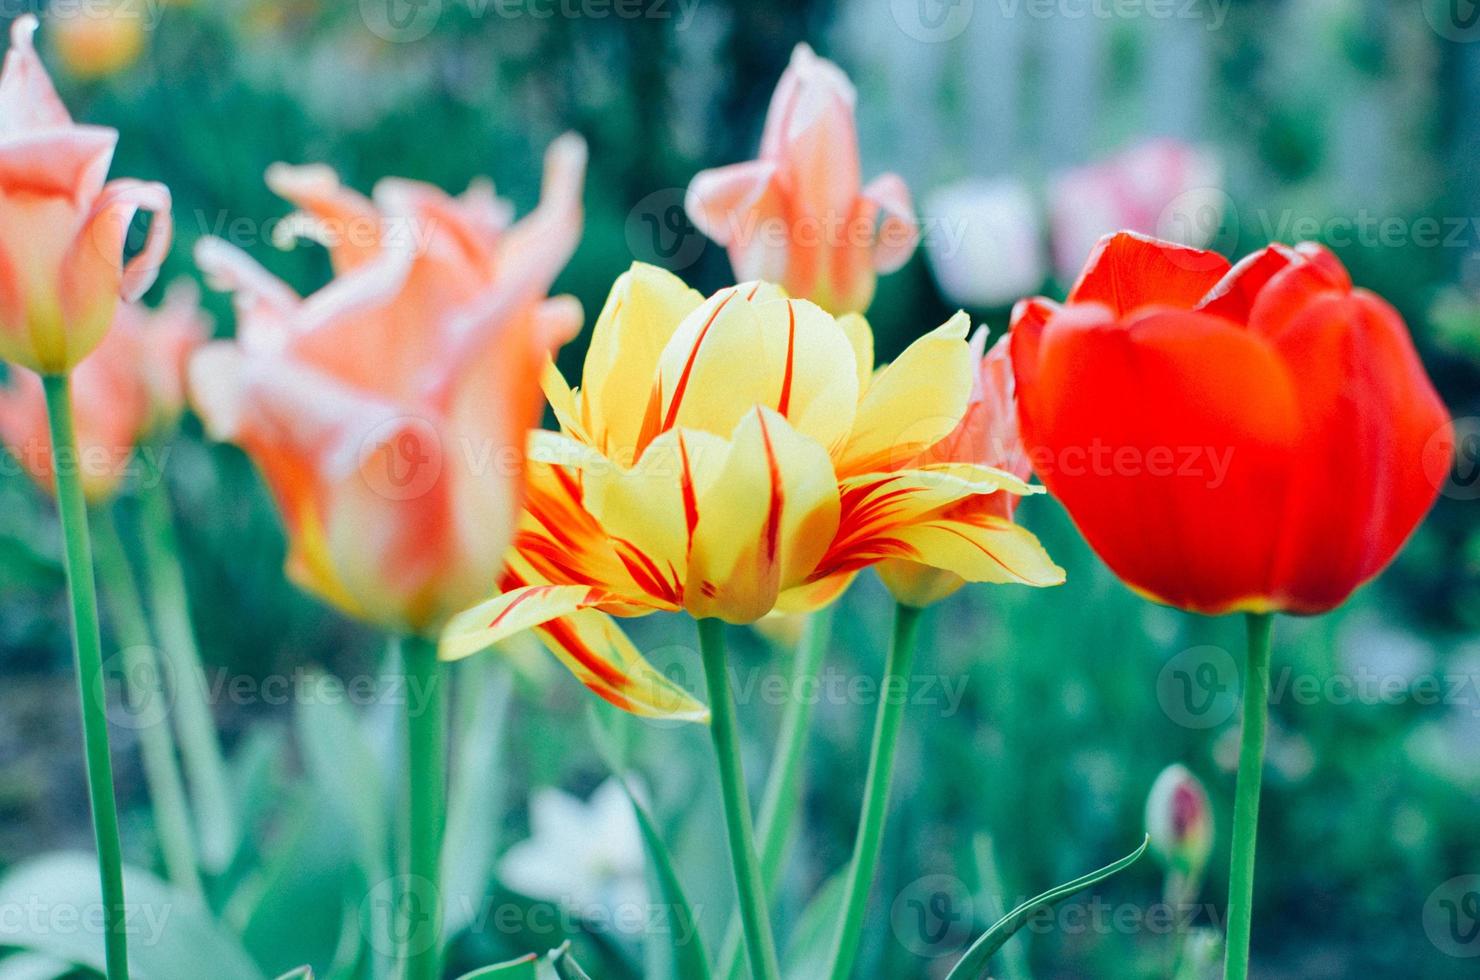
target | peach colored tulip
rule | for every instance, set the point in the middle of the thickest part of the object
(131, 385)
(798, 216)
(61, 228)
(388, 411)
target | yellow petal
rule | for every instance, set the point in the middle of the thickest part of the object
(913, 584)
(763, 523)
(861, 338)
(914, 402)
(565, 403)
(979, 548)
(808, 360)
(643, 310)
(815, 595)
(711, 373)
(589, 642)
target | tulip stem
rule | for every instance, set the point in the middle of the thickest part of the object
(426, 794)
(783, 783)
(876, 790)
(145, 680)
(91, 686)
(1246, 797)
(748, 881)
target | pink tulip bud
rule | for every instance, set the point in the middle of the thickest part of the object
(1179, 819)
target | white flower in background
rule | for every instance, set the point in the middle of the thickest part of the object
(984, 239)
(585, 856)
(1163, 187)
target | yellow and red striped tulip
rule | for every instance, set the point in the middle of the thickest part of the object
(131, 385)
(729, 457)
(799, 215)
(389, 410)
(62, 228)
(988, 436)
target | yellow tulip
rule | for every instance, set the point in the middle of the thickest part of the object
(729, 457)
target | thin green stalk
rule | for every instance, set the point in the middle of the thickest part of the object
(426, 800)
(87, 652)
(876, 790)
(1246, 797)
(200, 745)
(784, 782)
(759, 943)
(148, 692)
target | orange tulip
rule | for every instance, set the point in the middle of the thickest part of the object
(732, 456)
(798, 216)
(62, 229)
(987, 436)
(1228, 439)
(388, 411)
(131, 385)
(98, 38)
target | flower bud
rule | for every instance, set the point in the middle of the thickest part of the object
(1179, 819)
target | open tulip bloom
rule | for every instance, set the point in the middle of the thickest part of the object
(732, 456)
(388, 414)
(61, 276)
(1245, 438)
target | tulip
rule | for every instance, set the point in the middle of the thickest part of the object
(99, 38)
(1269, 412)
(987, 436)
(1179, 820)
(62, 234)
(799, 215)
(986, 246)
(62, 228)
(1162, 187)
(1246, 438)
(388, 413)
(729, 457)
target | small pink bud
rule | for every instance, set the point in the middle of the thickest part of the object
(1179, 819)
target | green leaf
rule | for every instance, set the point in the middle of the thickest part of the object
(524, 968)
(172, 934)
(975, 963)
(33, 966)
(476, 797)
(809, 948)
(566, 967)
(302, 973)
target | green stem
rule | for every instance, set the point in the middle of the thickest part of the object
(749, 886)
(87, 652)
(876, 790)
(148, 693)
(783, 783)
(426, 796)
(1246, 797)
(200, 746)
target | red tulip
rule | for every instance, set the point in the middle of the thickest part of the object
(1245, 438)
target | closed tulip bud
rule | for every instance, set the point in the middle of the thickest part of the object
(799, 215)
(1179, 819)
(62, 229)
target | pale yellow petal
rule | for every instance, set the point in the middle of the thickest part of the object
(914, 402)
(713, 370)
(861, 338)
(808, 360)
(979, 548)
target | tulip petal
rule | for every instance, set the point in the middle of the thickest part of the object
(567, 619)
(807, 356)
(978, 547)
(1127, 270)
(861, 337)
(913, 403)
(899, 231)
(28, 100)
(342, 220)
(697, 385)
(723, 202)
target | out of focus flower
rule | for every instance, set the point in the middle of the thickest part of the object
(985, 242)
(799, 216)
(388, 411)
(732, 456)
(1229, 439)
(62, 228)
(987, 436)
(98, 38)
(585, 856)
(1179, 820)
(130, 386)
(1163, 187)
